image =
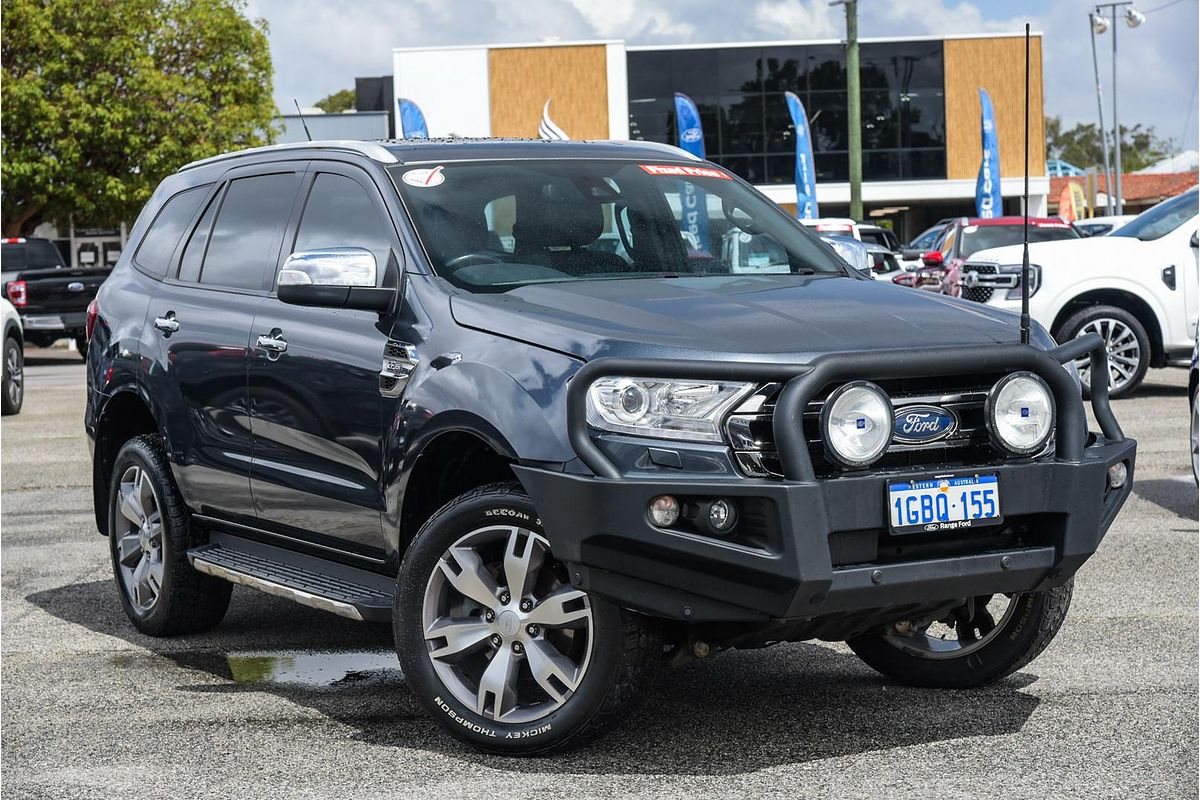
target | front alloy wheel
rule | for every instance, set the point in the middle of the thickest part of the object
(513, 647)
(499, 645)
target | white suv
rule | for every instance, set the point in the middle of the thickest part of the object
(1136, 287)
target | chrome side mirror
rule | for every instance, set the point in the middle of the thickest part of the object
(335, 277)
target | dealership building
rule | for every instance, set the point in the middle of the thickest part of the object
(920, 109)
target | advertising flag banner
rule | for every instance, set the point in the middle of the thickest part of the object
(806, 175)
(1066, 204)
(693, 198)
(1081, 204)
(988, 203)
(412, 121)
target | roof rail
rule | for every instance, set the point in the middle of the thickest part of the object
(372, 150)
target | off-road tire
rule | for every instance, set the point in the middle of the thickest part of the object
(189, 601)
(10, 400)
(1025, 635)
(625, 654)
(1073, 324)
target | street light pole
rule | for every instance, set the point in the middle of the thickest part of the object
(1108, 177)
(853, 107)
(1133, 18)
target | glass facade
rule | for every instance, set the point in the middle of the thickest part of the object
(747, 129)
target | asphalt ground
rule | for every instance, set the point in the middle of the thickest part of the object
(281, 701)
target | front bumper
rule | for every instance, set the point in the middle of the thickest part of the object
(814, 547)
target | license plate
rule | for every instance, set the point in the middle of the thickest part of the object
(943, 504)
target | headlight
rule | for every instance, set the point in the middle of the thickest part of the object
(857, 421)
(1020, 413)
(664, 409)
(1035, 281)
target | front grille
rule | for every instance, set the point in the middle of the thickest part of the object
(751, 435)
(978, 294)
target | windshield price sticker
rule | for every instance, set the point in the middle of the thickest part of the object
(425, 178)
(684, 171)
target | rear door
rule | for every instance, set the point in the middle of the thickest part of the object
(201, 315)
(316, 408)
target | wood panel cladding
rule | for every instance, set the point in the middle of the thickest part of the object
(573, 77)
(997, 65)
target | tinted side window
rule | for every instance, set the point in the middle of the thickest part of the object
(244, 243)
(154, 253)
(193, 252)
(339, 213)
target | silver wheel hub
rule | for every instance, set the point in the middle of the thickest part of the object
(1124, 353)
(139, 531)
(506, 634)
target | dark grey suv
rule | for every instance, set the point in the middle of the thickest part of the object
(509, 397)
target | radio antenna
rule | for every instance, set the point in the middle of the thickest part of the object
(308, 135)
(1025, 208)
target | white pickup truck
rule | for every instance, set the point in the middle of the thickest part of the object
(1136, 287)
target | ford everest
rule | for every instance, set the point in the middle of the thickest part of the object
(508, 397)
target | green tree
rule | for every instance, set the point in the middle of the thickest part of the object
(1081, 145)
(101, 100)
(337, 102)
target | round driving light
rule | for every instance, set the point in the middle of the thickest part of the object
(1118, 473)
(633, 401)
(857, 422)
(722, 515)
(664, 511)
(1020, 413)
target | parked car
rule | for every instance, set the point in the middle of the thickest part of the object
(834, 226)
(1194, 411)
(554, 469)
(53, 303)
(18, 254)
(12, 385)
(1136, 287)
(1101, 226)
(942, 270)
(926, 241)
(879, 235)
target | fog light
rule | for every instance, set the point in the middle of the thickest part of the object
(1117, 474)
(664, 511)
(722, 515)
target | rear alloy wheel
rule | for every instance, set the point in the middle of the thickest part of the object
(1125, 339)
(498, 644)
(983, 640)
(149, 535)
(12, 393)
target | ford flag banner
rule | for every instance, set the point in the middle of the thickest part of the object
(693, 198)
(806, 176)
(987, 186)
(412, 121)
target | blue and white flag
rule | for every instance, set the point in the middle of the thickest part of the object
(988, 202)
(412, 121)
(693, 198)
(806, 173)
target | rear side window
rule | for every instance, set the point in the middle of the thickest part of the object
(154, 253)
(193, 253)
(244, 244)
(340, 213)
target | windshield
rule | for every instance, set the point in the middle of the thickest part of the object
(1156, 222)
(490, 226)
(983, 237)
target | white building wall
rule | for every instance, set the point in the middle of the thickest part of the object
(450, 84)
(618, 91)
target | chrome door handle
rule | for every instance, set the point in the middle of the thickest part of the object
(167, 324)
(273, 344)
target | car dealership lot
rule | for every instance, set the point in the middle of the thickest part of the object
(285, 701)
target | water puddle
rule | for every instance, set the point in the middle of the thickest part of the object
(305, 668)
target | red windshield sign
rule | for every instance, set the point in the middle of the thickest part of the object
(683, 171)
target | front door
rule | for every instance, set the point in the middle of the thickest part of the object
(316, 410)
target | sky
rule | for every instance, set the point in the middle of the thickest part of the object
(321, 46)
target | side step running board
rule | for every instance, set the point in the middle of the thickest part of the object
(308, 580)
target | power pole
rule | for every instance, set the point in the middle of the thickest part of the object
(853, 109)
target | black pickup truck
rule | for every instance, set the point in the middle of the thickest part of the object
(52, 300)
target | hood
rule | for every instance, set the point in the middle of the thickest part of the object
(782, 318)
(1062, 251)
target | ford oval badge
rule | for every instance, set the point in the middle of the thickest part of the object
(74, 286)
(923, 424)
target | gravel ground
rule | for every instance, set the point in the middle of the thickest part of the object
(92, 709)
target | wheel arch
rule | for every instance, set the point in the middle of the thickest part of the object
(125, 414)
(1121, 298)
(13, 330)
